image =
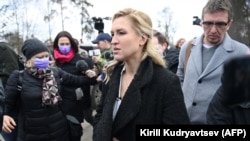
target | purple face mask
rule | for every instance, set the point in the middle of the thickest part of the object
(41, 63)
(64, 49)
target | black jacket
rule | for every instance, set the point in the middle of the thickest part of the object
(220, 113)
(71, 105)
(8, 62)
(171, 57)
(153, 97)
(36, 122)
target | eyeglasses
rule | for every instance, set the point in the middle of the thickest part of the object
(220, 25)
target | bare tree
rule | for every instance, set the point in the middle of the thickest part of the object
(18, 18)
(240, 30)
(10, 16)
(165, 24)
(28, 23)
(14, 40)
(62, 8)
(50, 12)
(86, 22)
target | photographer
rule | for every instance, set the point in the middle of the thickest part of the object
(103, 42)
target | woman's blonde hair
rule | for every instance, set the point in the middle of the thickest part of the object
(142, 24)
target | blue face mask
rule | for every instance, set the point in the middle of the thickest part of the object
(64, 49)
(41, 63)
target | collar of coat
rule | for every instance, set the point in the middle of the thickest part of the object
(131, 102)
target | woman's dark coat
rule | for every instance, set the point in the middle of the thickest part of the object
(153, 97)
(71, 105)
(36, 122)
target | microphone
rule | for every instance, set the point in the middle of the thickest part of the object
(82, 65)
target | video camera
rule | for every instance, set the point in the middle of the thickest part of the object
(99, 25)
(197, 21)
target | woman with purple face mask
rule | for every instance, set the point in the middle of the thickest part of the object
(64, 49)
(41, 63)
(65, 52)
(40, 117)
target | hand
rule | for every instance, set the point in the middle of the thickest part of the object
(115, 139)
(90, 73)
(8, 124)
(52, 63)
(99, 78)
(95, 59)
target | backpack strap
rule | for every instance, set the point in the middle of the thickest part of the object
(20, 80)
(1, 88)
(188, 52)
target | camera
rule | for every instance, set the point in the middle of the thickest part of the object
(197, 20)
(99, 25)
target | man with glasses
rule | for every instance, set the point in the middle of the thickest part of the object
(209, 51)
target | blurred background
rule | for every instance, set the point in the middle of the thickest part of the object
(24, 19)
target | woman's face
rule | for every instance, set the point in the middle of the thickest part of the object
(40, 55)
(181, 42)
(63, 41)
(126, 42)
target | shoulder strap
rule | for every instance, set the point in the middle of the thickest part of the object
(20, 80)
(188, 51)
(1, 88)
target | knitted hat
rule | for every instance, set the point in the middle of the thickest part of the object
(32, 47)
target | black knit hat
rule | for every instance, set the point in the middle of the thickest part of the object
(32, 47)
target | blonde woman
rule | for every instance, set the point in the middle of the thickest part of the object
(138, 89)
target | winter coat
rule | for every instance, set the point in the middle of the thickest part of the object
(220, 113)
(171, 57)
(200, 86)
(153, 97)
(71, 105)
(37, 122)
(8, 62)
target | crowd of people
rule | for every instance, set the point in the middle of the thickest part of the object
(143, 79)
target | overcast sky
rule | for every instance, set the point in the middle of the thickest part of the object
(183, 12)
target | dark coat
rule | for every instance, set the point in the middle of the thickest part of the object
(153, 97)
(71, 105)
(37, 122)
(171, 57)
(220, 113)
(8, 62)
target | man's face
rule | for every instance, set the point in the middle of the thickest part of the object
(215, 26)
(159, 47)
(102, 44)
